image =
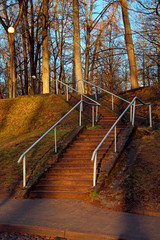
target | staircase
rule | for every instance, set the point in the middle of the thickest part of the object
(72, 175)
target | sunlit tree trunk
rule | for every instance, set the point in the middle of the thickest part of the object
(76, 45)
(129, 45)
(88, 31)
(12, 81)
(45, 52)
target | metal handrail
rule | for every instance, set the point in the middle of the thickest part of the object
(106, 92)
(23, 156)
(67, 89)
(34, 144)
(132, 103)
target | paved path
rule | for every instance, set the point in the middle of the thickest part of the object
(76, 219)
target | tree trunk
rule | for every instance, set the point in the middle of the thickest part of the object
(12, 82)
(45, 53)
(25, 58)
(129, 45)
(88, 31)
(77, 46)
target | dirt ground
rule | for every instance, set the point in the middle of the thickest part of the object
(134, 184)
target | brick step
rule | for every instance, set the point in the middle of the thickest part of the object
(57, 181)
(47, 187)
(68, 165)
(100, 132)
(70, 176)
(91, 143)
(107, 121)
(58, 194)
(71, 170)
(83, 155)
(75, 160)
(86, 151)
(92, 138)
(113, 119)
(109, 117)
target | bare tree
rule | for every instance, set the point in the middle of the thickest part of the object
(6, 23)
(129, 45)
(76, 46)
(45, 53)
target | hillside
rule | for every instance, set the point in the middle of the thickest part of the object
(134, 183)
(22, 121)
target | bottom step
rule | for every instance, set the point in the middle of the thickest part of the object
(57, 194)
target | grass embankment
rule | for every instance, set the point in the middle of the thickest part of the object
(22, 121)
(134, 183)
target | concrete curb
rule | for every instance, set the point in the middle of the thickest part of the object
(50, 232)
(145, 212)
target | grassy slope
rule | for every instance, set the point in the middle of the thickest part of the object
(22, 121)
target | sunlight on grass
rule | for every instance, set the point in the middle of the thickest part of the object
(23, 120)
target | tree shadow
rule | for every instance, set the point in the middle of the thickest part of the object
(131, 203)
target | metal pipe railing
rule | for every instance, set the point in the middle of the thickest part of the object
(112, 94)
(132, 106)
(69, 87)
(23, 156)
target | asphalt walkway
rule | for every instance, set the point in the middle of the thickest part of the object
(75, 219)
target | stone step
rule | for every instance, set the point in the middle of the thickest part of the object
(85, 155)
(58, 194)
(87, 151)
(72, 165)
(91, 143)
(75, 160)
(70, 176)
(63, 181)
(71, 170)
(100, 132)
(47, 187)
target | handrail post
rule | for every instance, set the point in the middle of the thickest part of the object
(24, 171)
(96, 113)
(112, 102)
(67, 91)
(150, 116)
(55, 139)
(131, 113)
(94, 170)
(115, 139)
(80, 114)
(93, 116)
(82, 102)
(95, 93)
(56, 87)
(133, 117)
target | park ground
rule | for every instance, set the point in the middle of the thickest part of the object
(133, 184)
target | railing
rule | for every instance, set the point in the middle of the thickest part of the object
(132, 105)
(106, 91)
(67, 86)
(93, 85)
(23, 156)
